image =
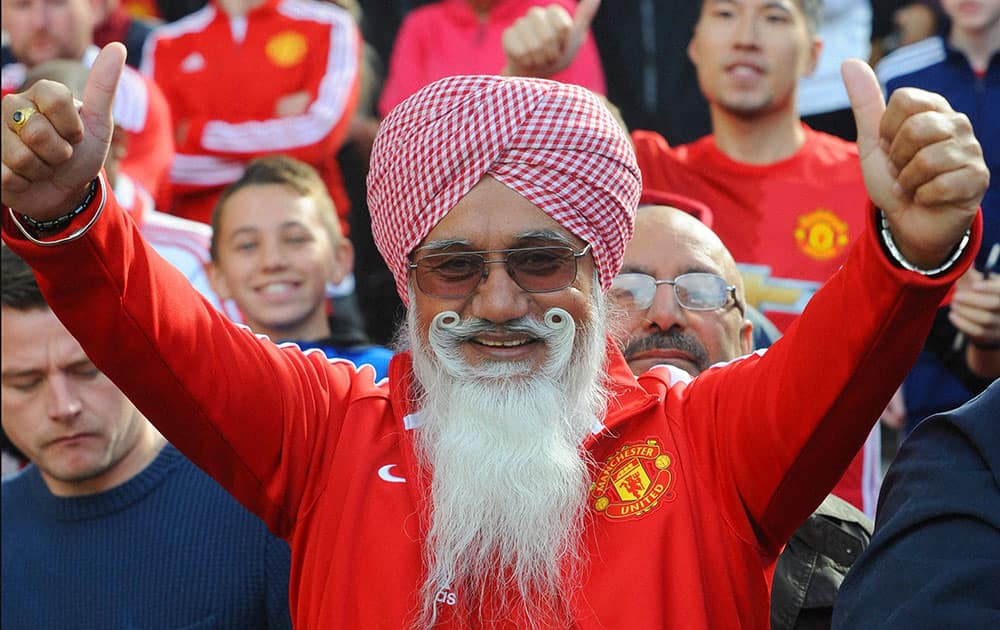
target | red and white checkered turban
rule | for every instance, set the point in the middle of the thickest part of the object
(555, 144)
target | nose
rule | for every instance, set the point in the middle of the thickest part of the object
(498, 298)
(64, 403)
(39, 15)
(272, 255)
(665, 313)
(746, 31)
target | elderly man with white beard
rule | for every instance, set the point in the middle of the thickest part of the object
(511, 471)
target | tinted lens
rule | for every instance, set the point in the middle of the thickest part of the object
(542, 269)
(633, 291)
(449, 275)
(701, 291)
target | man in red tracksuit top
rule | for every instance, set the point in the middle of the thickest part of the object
(511, 472)
(246, 78)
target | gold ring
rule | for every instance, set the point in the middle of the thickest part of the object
(20, 117)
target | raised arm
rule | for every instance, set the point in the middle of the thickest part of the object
(234, 404)
(784, 426)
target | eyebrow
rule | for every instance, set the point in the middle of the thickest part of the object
(635, 268)
(11, 374)
(546, 235)
(774, 4)
(284, 225)
(532, 235)
(240, 231)
(15, 373)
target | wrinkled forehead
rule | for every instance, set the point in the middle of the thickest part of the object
(32, 338)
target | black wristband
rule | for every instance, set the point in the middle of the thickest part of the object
(58, 223)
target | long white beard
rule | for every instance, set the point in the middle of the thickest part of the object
(509, 479)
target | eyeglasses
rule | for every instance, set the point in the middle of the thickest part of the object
(534, 269)
(693, 291)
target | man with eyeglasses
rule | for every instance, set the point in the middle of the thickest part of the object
(511, 471)
(682, 299)
(681, 294)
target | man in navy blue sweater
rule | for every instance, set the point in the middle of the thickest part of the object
(111, 527)
(934, 559)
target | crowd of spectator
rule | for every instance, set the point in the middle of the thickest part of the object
(242, 136)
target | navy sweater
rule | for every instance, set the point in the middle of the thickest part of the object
(167, 549)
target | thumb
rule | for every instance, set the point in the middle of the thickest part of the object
(102, 82)
(585, 12)
(867, 102)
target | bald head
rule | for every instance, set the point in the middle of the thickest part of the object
(669, 243)
(672, 226)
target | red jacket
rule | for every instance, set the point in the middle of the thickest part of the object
(224, 79)
(721, 469)
(788, 225)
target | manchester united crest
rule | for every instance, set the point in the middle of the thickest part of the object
(286, 49)
(821, 234)
(634, 481)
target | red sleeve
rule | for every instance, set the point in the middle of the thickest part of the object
(311, 137)
(256, 417)
(778, 430)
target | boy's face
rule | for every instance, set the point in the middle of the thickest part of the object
(275, 258)
(750, 54)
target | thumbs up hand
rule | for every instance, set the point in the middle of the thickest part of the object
(545, 40)
(52, 145)
(921, 163)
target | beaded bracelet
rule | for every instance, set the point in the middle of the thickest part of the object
(58, 223)
(890, 245)
(31, 235)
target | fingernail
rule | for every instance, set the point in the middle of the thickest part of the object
(897, 190)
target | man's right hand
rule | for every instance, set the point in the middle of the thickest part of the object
(49, 163)
(545, 40)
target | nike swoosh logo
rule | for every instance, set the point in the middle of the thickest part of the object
(385, 475)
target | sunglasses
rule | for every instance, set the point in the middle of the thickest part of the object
(534, 269)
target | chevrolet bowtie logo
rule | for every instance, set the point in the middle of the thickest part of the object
(785, 295)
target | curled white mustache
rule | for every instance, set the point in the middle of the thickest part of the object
(448, 331)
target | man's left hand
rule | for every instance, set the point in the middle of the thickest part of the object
(921, 162)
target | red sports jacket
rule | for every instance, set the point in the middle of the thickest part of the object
(697, 484)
